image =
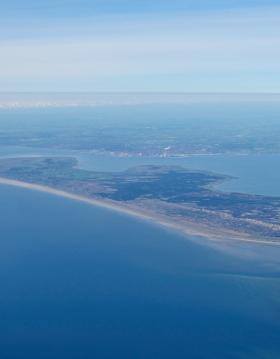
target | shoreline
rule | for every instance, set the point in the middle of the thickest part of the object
(192, 230)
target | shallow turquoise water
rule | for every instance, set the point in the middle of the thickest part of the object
(83, 282)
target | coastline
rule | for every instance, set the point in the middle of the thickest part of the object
(191, 230)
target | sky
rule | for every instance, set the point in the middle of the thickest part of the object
(140, 45)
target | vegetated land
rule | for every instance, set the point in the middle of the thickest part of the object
(173, 195)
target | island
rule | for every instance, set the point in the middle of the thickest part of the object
(176, 197)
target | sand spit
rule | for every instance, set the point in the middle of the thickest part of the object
(189, 229)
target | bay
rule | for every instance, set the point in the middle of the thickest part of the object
(79, 281)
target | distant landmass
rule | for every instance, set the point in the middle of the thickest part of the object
(84, 99)
(142, 125)
(170, 195)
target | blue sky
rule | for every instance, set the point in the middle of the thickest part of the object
(140, 45)
(65, 8)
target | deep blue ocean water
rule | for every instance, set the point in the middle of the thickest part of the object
(79, 282)
(83, 282)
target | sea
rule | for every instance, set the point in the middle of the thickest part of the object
(82, 282)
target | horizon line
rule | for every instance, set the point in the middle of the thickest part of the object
(145, 92)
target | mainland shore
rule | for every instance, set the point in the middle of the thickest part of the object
(187, 229)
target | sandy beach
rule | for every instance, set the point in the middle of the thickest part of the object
(188, 229)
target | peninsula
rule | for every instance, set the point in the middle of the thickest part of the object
(169, 195)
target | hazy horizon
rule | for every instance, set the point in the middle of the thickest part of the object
(81, 99)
